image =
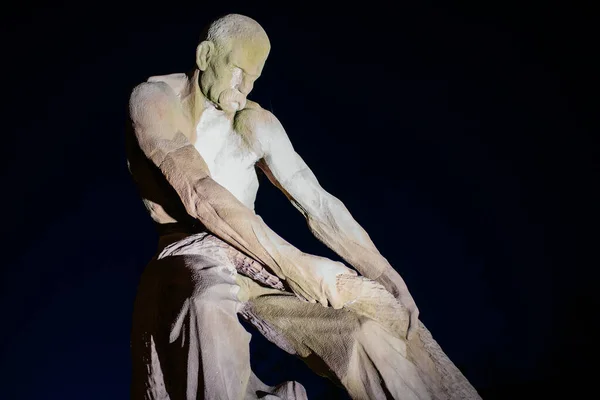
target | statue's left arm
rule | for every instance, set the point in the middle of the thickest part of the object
(328, 218)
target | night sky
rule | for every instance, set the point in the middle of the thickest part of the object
(459, 136)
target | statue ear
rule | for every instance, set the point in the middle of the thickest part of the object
(204, 52)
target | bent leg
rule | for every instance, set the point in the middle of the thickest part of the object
(378, 367)
(185, 321)
(352, 350)
(187, 341)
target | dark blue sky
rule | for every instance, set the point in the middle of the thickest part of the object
(475, 179)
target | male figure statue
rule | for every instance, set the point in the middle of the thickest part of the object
(195, 142)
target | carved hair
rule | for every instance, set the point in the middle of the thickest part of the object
(232, 26)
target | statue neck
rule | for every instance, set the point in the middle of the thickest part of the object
(193, 100)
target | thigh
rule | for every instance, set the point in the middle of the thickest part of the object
(183, 294)
(322, 336)
(190, 269)
(366, 338)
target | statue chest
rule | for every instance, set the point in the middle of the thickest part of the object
(227, 155)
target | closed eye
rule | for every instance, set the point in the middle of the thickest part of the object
(245, 72)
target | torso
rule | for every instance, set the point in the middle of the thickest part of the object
(229, 158)
(230, 155)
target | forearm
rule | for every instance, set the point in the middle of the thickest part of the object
(225, 216)
(159, 124)
(341, 233)
(337, 229)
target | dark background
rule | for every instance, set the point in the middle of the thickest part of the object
(459, 136)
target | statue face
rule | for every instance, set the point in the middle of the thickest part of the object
(230, 74)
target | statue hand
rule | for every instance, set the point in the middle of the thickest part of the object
(317, 282)
(394, 284)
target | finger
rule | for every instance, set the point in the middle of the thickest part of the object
(336, 304)
(344, 270)
(308, 297)
(300, 297)
(323, 301)
(311, 298)
(334, 297)
(302, 294)
(334, 301)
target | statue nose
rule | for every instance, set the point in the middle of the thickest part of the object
(245, 86)
(243, 89)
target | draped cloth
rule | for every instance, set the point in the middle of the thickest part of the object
(187, 341)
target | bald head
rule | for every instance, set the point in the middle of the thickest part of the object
(235, 27)
(231, 57)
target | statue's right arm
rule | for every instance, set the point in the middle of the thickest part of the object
(159, 125)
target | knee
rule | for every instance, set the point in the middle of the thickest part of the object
(204, 281)
(213, 295)
(201, 273)
(214, 285)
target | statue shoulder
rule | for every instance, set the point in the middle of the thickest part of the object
(157, 90)
(151, 95)
(154, 105)
(257, 125)
(252, 105)
(252, 117)
(177, 82)
(252, 123)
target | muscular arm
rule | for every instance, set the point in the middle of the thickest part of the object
(159, 126)
(328, 219)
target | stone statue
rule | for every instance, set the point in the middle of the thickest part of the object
(192, 151)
